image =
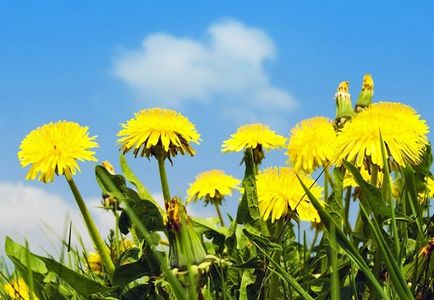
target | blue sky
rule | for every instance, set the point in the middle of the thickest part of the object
(98, 62)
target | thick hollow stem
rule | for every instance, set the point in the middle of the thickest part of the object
(91, 227)
(163, 179)
(219, 213)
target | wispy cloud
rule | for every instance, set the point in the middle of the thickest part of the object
(225, 67)
(43, 218)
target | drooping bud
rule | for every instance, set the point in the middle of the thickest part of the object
(258, 154)
(344, 107)
(108, 166)
(185, 246)
(365, 97)
(109, 202)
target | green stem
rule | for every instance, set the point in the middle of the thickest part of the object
(91, 227)
(219, 213)
(333, 265)
(274, 280)
(315, 238)
(257, 166)
(347, 211)
(329, 177)
(117, 234)
(163, 179)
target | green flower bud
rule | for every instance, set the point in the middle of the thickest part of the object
(185, 245)
(367, 93)
(344, 107)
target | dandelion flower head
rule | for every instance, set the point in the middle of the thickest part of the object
(54, 148)
(253, 135)
(212, 186)
(95, 262)
(429, 187)
(158, 131)
(311, 144)
(18, 289)
(280, 192)
(402, 130)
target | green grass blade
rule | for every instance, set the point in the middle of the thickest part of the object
(387, 194)
(396, 274)
(367, 207)
(411, 195)
(285, 275)
(131, 177)
(345, 244)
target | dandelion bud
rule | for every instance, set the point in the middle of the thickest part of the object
(108, 166)
(344, 107)
(365, 97)
(185, 246)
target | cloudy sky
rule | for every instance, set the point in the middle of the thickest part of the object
(220, 63)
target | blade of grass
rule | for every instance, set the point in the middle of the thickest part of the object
(387, 194)
(281, 272)
(395, 271)
(396, 274)
(29, 273)
(345, 244)
(411, 195)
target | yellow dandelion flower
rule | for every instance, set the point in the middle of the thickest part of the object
(54, 148)
(94, 260)
(257, 136)
(212, 186)
(126, 244)
(403, 132)
(311, 144)
(158, 131)
(18, 289)
(279, 192)
(429, 187)
(253, 135)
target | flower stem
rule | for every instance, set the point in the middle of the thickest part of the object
(219, 213)
(163, 179)
(274, 292)
(91, 227)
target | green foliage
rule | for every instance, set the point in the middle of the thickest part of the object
(386, 254)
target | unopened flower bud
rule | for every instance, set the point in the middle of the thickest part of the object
(365, 97)
(185, 245)
(108, 166)
(344, 107)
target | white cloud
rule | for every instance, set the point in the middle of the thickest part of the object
(43, 218)
(226, 67)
